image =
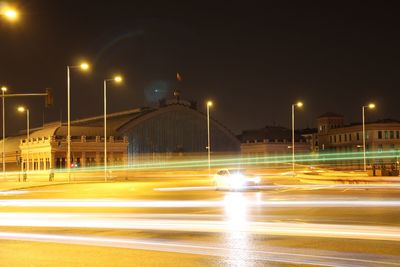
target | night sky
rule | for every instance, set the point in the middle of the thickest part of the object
(253, 58)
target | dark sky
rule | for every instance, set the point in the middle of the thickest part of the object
(253, 58)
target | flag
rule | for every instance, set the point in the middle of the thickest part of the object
(178, 77)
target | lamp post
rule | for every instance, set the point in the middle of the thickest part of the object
(116, 79)
(209, 104)
(3, 90)
(370, 106)
(83, 66)
(299, 105)
(24, 109)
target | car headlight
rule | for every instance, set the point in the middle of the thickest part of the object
(237, 181)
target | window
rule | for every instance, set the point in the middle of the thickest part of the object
(397, 134)
(345, 137)
(391, 134)
(334, 139)
(340, 138)
(358, 136)
(386, 134)
(350, 137)
(379, 134)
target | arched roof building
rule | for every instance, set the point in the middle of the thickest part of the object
(176, 127)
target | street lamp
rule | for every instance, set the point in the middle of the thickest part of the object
(370, 106)
(84, 67)
(299, 105)
(24, 109)
(10, 13)
(116, 79)
(3, 91)
(209, 104)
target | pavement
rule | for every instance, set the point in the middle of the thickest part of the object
(344, 177)
(186, 222)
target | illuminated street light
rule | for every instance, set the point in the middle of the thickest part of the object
(370, 106)
(3, 91)
(299, 105)
(209, 104)
(11, 14)
(116, 79)
(84, 67)
(24, 109)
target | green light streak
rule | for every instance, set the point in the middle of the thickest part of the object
(330, 159)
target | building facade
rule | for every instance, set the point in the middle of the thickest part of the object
(173, 127)
(333, 135)
(271, 140)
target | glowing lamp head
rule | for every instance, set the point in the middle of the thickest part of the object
(21, 109)
(118, 79)
(10, 13)
(4, 89)
(84, 66)
(209, 104)
(299, 104)
(371, 105)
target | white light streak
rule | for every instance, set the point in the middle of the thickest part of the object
(87, 203)
(232, 223)
(276, 254)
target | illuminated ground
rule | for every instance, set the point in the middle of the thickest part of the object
(186, 223)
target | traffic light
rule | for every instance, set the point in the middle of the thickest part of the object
(49, 98)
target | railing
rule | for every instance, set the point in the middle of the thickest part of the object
(80, 139)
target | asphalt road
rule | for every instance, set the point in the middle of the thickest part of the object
(185, 222)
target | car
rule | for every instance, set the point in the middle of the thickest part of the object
(234, 179)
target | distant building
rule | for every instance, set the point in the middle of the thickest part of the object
(333, 135)
(175, 127)
(271, 140)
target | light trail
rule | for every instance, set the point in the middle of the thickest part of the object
(303, 187)
(275, 254)
(235, 160)
(68, 220)
(13, 192)
(99, 203)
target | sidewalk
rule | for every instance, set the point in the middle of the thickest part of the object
(347, 179)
